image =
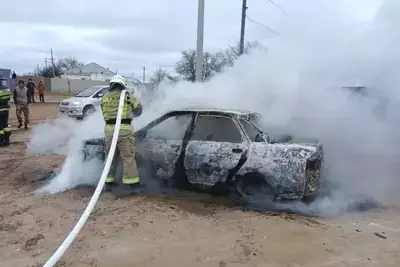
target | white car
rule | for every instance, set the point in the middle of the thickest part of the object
(83, 103)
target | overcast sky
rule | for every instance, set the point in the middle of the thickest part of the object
(127, 35)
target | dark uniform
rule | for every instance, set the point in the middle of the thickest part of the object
(126, 146)
(5, 96)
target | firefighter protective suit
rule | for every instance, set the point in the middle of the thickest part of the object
(126, 147)
(5, 96)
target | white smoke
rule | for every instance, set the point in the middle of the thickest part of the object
(296, 85)
(66, 136)
(52, 137)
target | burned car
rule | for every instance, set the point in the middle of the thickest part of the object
(205, 148)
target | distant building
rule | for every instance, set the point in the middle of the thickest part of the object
(95, 72)
(91, 71)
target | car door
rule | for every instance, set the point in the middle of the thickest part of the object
(162, 141)
(98, 95)
(215, 150)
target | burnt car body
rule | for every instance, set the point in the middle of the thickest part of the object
(207, 148)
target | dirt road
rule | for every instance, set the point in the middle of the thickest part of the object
(144, 231)
(39, 112)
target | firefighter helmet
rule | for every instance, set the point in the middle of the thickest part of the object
(117, 79)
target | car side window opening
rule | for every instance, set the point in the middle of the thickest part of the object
(216, 129)
(172, 128)
(250, 130)
(88, 92)
(103, 91)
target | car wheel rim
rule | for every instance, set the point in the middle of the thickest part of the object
(89, 111)
(254, 188)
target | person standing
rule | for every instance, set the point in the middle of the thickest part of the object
(41, 91)
(5, 96)
(126, 146)
(31, 89)
(21, 101)
(13, 82)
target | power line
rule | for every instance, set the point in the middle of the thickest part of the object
(243, 23)
(276, 5)
(259, 23)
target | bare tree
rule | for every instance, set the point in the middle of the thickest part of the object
(158, 76)
(48, 71)
(62, 66)
(232, 53)
(212, 63)
(186, 67)
(68, 64)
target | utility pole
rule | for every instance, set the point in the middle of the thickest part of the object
(243, 26)
(144, 74)
(52, 63)
(45, 63)
(37, 70)
(200, 38)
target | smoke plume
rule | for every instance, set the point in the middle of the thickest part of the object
(296, 85)
(66, 136)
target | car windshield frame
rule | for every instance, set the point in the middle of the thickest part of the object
(93, 91)
(255, 122)
(3, 83)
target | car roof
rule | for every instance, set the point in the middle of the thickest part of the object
(217, 110)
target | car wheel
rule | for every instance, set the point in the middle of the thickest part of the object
(309, 199)
(88, 110)
(254, 190)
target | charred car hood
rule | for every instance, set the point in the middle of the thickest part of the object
(305, 141)
(313, 145)
(292, 139)
(290, 145)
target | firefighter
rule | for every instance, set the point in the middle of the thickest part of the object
(126, 147)
(5, 97)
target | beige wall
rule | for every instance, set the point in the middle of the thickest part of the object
(71, 85)
(62, 85)
(91, 76)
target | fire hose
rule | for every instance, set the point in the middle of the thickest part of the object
(85, 215)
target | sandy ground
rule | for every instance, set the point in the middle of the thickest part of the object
(39, 112)
(144, 231)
